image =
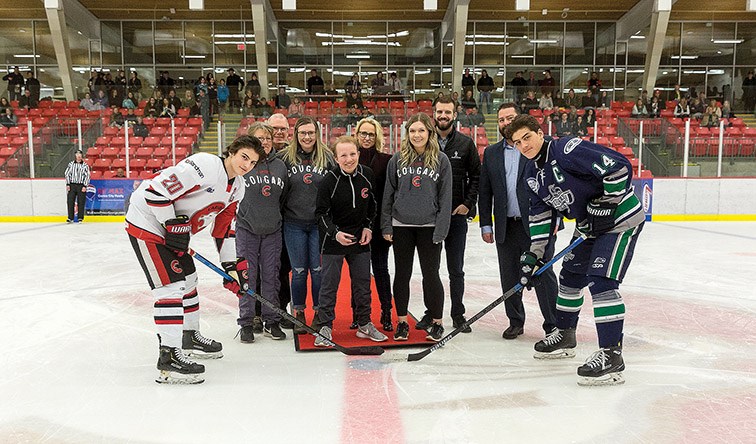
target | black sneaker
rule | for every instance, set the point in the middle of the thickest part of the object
(458, 321)
(315, 322)
(246, 334)
(286, 324)
(301, 318)
(386, 323)
(435, 332)
(424, 323)
(353, 325)
(402, 331)
(273, 331)
(257, 324)
(604, 367)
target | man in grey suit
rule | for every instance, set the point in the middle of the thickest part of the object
(505, 196)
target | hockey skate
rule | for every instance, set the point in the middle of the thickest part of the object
(175, 368)
(558, 344)
(198, 346)
(604, 367)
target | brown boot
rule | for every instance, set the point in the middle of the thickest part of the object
(300, 330)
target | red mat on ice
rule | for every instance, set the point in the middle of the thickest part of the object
(342, 335)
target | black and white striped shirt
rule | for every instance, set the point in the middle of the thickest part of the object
(77, 173)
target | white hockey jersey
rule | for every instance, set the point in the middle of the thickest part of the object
(199, 188)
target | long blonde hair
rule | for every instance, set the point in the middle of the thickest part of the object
(378, 132)
(408, 155)
(321, 155)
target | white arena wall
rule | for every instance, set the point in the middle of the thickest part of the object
(44, 200)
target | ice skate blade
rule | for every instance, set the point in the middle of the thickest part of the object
(557, 354)
(168, 377)
(199, 354)
(608, 379)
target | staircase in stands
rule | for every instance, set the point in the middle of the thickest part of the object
(209, 142)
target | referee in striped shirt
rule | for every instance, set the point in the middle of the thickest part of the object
(77, 179)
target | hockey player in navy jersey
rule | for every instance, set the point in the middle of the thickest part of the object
(591, 184)
(200, 191)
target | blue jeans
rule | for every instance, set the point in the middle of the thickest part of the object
(485, 101)
(303, 245)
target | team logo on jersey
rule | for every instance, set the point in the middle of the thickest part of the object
(205, 216)
(533, 184)
(559, 199)
(176, 267)
(265, 190)
(456, 155)
(307, 178)
(364, 193)
(598, 262)
(571, 144)
(416, 181)
(211, 190)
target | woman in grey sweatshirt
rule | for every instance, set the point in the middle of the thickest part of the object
(416, 212)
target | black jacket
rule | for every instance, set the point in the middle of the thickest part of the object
(465, 163)
(346, 203)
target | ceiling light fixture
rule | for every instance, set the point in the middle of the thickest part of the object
(522, 5)
(358, 56)
(684, 57)
(727, 41)
(194, 5)
(430, 5)
(543, 41)
(289, 5)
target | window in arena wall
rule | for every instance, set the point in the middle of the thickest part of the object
(413, 43)
(305, 43)
(745, 53)
(110, 47)
(169, 43)
(43, 44)
(605, 38)
(137, 43)
(520, 51)
(226, 38)
(636, 48)
(16, 38)
(198, 49)
(249, 48)
(488, 42)
(362, 43)
(549, 43)
(579, 41)
(671, 45)
(700, 43)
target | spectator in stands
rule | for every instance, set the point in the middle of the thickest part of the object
(88, 104)
(485, 87)
(559, 101)
(605, 101)
(353, 115)
(140, 129)
(315, 84)
(128, 102)
(120, 174)
(711, 115)
(654, 107)
(200, 83)
(250, 108)
(32, 84)
(395, 85)
(547, 83)
(130, 117)
(455, 99)
(7, 118)
(158, 95)
(639, 109)
(222, 96)
(594, 86)
(697, 108)
(563, 126)
(519, 85)
(749, 92)
(282, 99)
(677, 94)
(135, 86)
(151, 109)
(462, 117)
(168, 110)
(468, 101)
(354, 100)
(27, 101)
(116, 118)
(573, 115)
(113, 99)
(4, 103)
(475, 118)
(189, 99)
(727, 110)
(165, 83)
(204, 107)
(644, 97)
(657, 94)
(77, 179)
(296, 109)
(590, 118)
(264, 109)
(580, 128)
(353, 84)
(682, 110)
(468, 81)
(572, 99)
(121, 84)
(212, 95)
(439, 96)
(588, 102)
(546, 103)
(253, 85)
(234, 84)
(195, 110)
(384, 118)
(174, 100)
(529, 102)
(378, 84)
(331, 92)
(15, 82)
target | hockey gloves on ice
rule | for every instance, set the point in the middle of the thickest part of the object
(528, 264)
(177, 233)
(238, 271)
(600, 217)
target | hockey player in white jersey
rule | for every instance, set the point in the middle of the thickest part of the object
(203, 190)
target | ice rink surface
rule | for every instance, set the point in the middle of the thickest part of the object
(80, 363)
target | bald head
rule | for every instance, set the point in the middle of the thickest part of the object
(280, 125)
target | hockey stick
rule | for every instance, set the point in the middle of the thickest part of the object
(366, 350)
(420, 355)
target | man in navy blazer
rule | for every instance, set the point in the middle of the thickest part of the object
(505, 196)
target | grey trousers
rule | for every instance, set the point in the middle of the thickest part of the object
(359, 274)
(263, 254)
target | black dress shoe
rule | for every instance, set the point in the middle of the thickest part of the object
(512, 332)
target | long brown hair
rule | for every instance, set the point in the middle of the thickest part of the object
(408, 155)
(321, 155)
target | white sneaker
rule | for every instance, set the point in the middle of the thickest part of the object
(325, 332)
(368, 331)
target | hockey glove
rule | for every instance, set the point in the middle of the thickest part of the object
(177, 233)
(600, 217)
(238, 271)
(529, 262)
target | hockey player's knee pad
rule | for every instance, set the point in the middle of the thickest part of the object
(572, 280)
(191, 282)
(602, 284)
(174, 290)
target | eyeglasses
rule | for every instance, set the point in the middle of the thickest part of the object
(265, 139)
(280, 130)
(366, 135)
(307, 133)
